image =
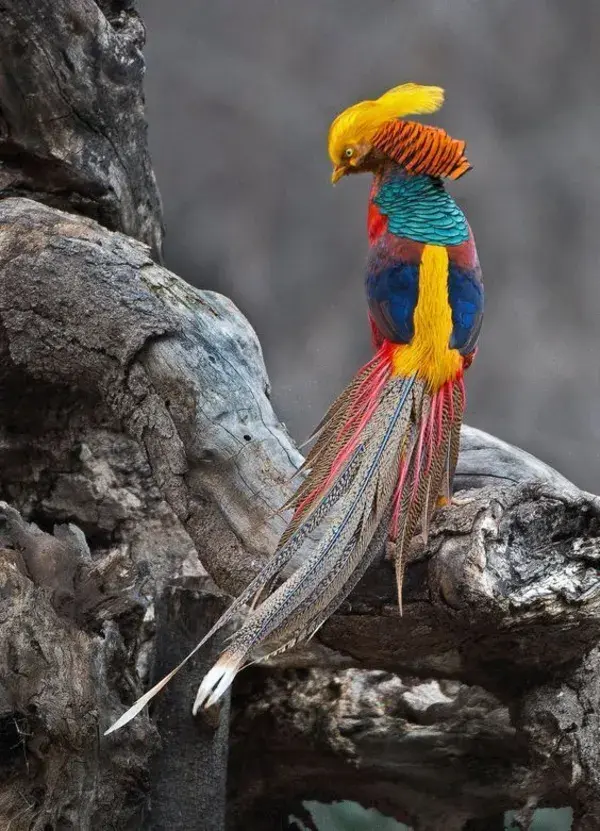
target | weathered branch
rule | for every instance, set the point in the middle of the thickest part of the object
(560, 721)
(59, 655)
(431, 754)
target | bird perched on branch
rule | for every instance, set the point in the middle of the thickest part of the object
(385, 453)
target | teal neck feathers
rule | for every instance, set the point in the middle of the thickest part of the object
(419, 208)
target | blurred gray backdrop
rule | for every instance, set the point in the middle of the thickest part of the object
(240, 95)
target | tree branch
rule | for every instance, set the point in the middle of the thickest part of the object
(59, 655)
(560, 721)
(431, 754)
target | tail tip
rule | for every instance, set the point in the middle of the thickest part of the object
(217, 681)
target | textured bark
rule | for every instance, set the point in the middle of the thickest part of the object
(62, 661)
(72, 125)
(561, 723)
(190, 772)
(432, 754)
(136, 432)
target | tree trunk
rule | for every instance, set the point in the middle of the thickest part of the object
(190, 772)
(136, 436)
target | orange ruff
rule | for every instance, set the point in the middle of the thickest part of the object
(422, 149)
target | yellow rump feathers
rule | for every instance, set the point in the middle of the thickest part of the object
(359, 123)
(429, 354)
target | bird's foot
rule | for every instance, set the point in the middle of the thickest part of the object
(455, 501)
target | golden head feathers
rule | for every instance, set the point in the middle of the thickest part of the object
(360, 122)
(357, 130)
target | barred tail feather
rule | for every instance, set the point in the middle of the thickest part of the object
(298, 607)
(382, 458)
(139, 705)
(426, 478)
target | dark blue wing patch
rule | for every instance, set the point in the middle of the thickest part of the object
(465, 294)
(392, 294)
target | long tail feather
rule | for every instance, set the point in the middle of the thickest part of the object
(383, 456)
(430, 470)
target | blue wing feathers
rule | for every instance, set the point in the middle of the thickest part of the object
(465, 295)
(392, 294)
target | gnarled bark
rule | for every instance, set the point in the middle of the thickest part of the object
(72, 125)
(431, 754)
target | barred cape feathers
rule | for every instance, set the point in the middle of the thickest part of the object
(383, 457)
(421, 149)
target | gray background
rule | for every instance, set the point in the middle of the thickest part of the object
(240, 95)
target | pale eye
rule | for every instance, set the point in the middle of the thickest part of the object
(349, 152)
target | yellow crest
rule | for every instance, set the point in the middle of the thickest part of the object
(360, 122)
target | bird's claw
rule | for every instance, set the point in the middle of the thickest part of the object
(454, 501)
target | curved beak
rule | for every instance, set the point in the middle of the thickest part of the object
(338, 171)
